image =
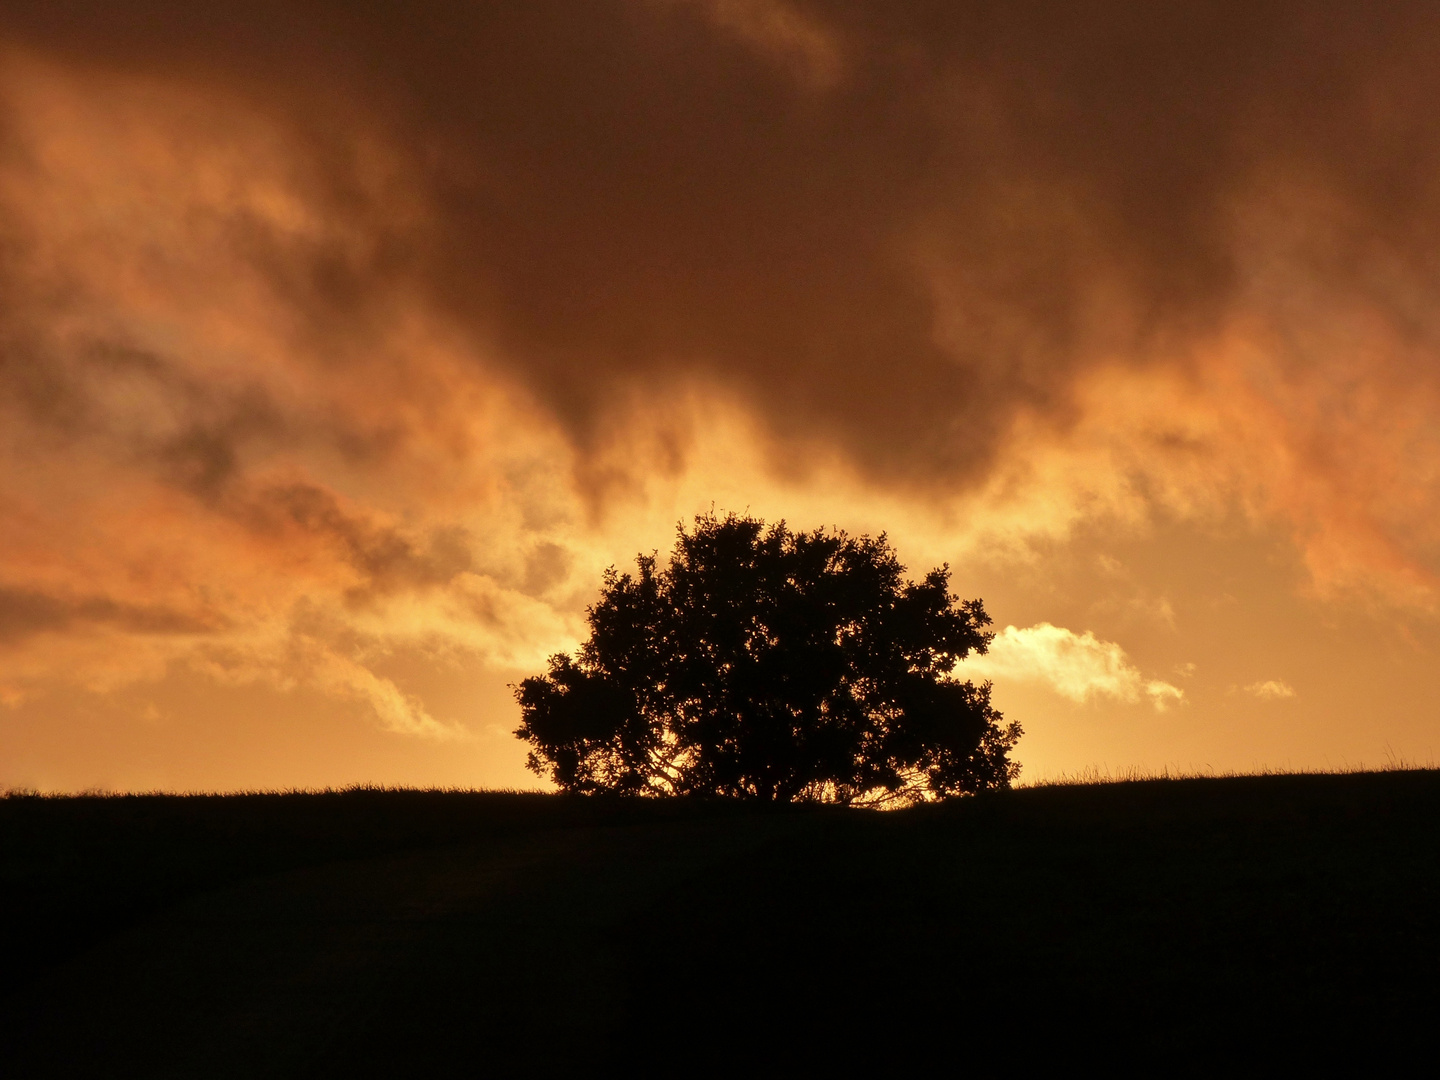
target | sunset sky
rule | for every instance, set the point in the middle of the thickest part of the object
(343, 345)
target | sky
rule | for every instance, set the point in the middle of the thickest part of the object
(343, 346)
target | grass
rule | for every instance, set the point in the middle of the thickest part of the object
(1103, 774)
(368, 932)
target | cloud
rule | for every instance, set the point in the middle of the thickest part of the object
(25, 612)
(968, 251)
(417, 318)
(1271, 690)
(786, 34)
(1080, 667)
(395, 710)
(975, 279)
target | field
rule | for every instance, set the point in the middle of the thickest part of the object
(394, 933)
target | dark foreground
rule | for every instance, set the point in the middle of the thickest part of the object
(1168, 925)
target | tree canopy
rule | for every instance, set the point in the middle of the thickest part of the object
(771, 664)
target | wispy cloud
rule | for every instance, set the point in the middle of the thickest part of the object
(1080, 667)
(1271, 690)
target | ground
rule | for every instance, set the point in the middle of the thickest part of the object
(448, 934)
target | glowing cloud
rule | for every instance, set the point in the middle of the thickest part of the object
(1080, 667)
(1271, 690)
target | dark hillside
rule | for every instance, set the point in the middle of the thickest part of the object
(395, 933)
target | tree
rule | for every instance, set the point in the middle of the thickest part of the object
(769, 664)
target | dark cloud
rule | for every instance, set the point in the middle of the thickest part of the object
(25, 612)
(387, 559)
(945, 217)
(191, 429)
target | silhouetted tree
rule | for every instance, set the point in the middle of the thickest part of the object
(770, 664)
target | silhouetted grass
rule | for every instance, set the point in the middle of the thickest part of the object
(1184, 922)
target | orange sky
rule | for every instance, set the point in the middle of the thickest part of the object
(342, 347)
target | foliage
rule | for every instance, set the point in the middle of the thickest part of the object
(770, 664)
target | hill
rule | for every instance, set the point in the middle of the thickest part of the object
(370, 933)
